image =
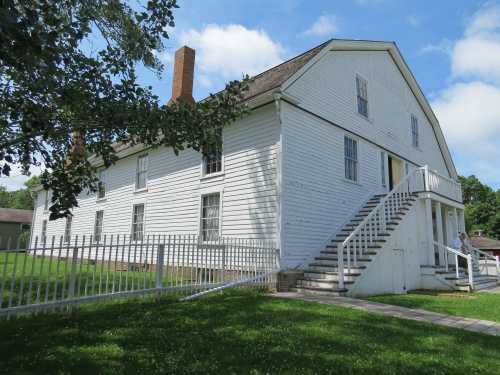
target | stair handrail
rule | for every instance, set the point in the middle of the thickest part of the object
(381, 206)
(478, 252)
(458, 253)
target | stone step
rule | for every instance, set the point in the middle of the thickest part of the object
(329, 276)
(320, 284)
(320, 291)
(333, 268)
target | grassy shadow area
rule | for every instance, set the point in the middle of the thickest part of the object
(471, 305)
(240, 332)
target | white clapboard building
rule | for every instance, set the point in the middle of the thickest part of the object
(341, 163)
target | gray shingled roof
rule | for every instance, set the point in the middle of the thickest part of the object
(485, 243)
(14, 215)
(277, 75)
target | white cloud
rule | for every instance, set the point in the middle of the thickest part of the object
(226, 52)
(444, 46)
(477, 54)
(326, 24)
(469, 109)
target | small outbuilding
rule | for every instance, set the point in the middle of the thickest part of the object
(14, 223)
(481, 242)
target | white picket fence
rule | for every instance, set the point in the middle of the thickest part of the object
(57, 272)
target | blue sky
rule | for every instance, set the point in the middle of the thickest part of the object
(452, 47)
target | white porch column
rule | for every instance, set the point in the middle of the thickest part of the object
(455, 218)
(430, 237)
(461, 220)
(439, 225)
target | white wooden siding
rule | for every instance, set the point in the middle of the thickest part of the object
(329, 90)
(317, 199)
(175, 186)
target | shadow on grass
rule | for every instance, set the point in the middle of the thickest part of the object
(237, 332)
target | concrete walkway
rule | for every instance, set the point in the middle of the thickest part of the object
(474, 325)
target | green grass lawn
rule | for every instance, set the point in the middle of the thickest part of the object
(471, 305)
(239, 332)
(46, 279)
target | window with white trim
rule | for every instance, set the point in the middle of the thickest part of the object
(210, 217)
(212, 161)
(138, 222)
(414, 131)
(141, 177)
(44, 231)
(46, 202)
(362, 96)
(101, 185)
(67, 228)
(99, 218)
(382, 169)
(351, 158)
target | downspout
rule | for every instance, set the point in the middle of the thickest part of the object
(279, 179)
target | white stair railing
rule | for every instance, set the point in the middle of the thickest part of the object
(446, 250)
(484, 260)
(377, 221)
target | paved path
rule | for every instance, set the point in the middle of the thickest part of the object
(474, 325)
(495, 290)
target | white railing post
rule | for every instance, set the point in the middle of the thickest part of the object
(426, 178)
(456, 267)
(340, 265)
(470, 270)
(159, 266)
(497, 264)
(72, 275)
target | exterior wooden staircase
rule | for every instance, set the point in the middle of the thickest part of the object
(322, 275)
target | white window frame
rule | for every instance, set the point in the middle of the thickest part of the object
(133, 224)
(201, 218)
(355, 159)
(46, 202)
(137, 172)
(97, 239)
(360, 78)
(414, 131)
(67, 229)
(102, 184)
(44, 230)
(204, 162)
(383, 169)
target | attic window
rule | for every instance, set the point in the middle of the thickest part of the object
(362, 96)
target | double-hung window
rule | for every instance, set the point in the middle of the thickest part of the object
(138, 222)
(44, 231)
(101, 185)
(47, 199)
(67, 228)
(414, 131)
(362, 96)
(141, 177)
(210, 216)
(351, 158)
(212, 161)
(99, 218)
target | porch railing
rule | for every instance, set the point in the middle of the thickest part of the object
(487, 264)
(446, 251)
(56, 273)
(442, 185)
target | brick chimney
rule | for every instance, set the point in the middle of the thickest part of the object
(182, 85)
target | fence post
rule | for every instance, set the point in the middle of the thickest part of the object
(72, 275)
(497, 262)
(471, 276)
(159, 266)
(223, 260)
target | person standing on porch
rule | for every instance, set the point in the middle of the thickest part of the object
(459, 244)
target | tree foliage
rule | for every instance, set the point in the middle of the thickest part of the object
(58, 89)
(21, 198)
(482, 206)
